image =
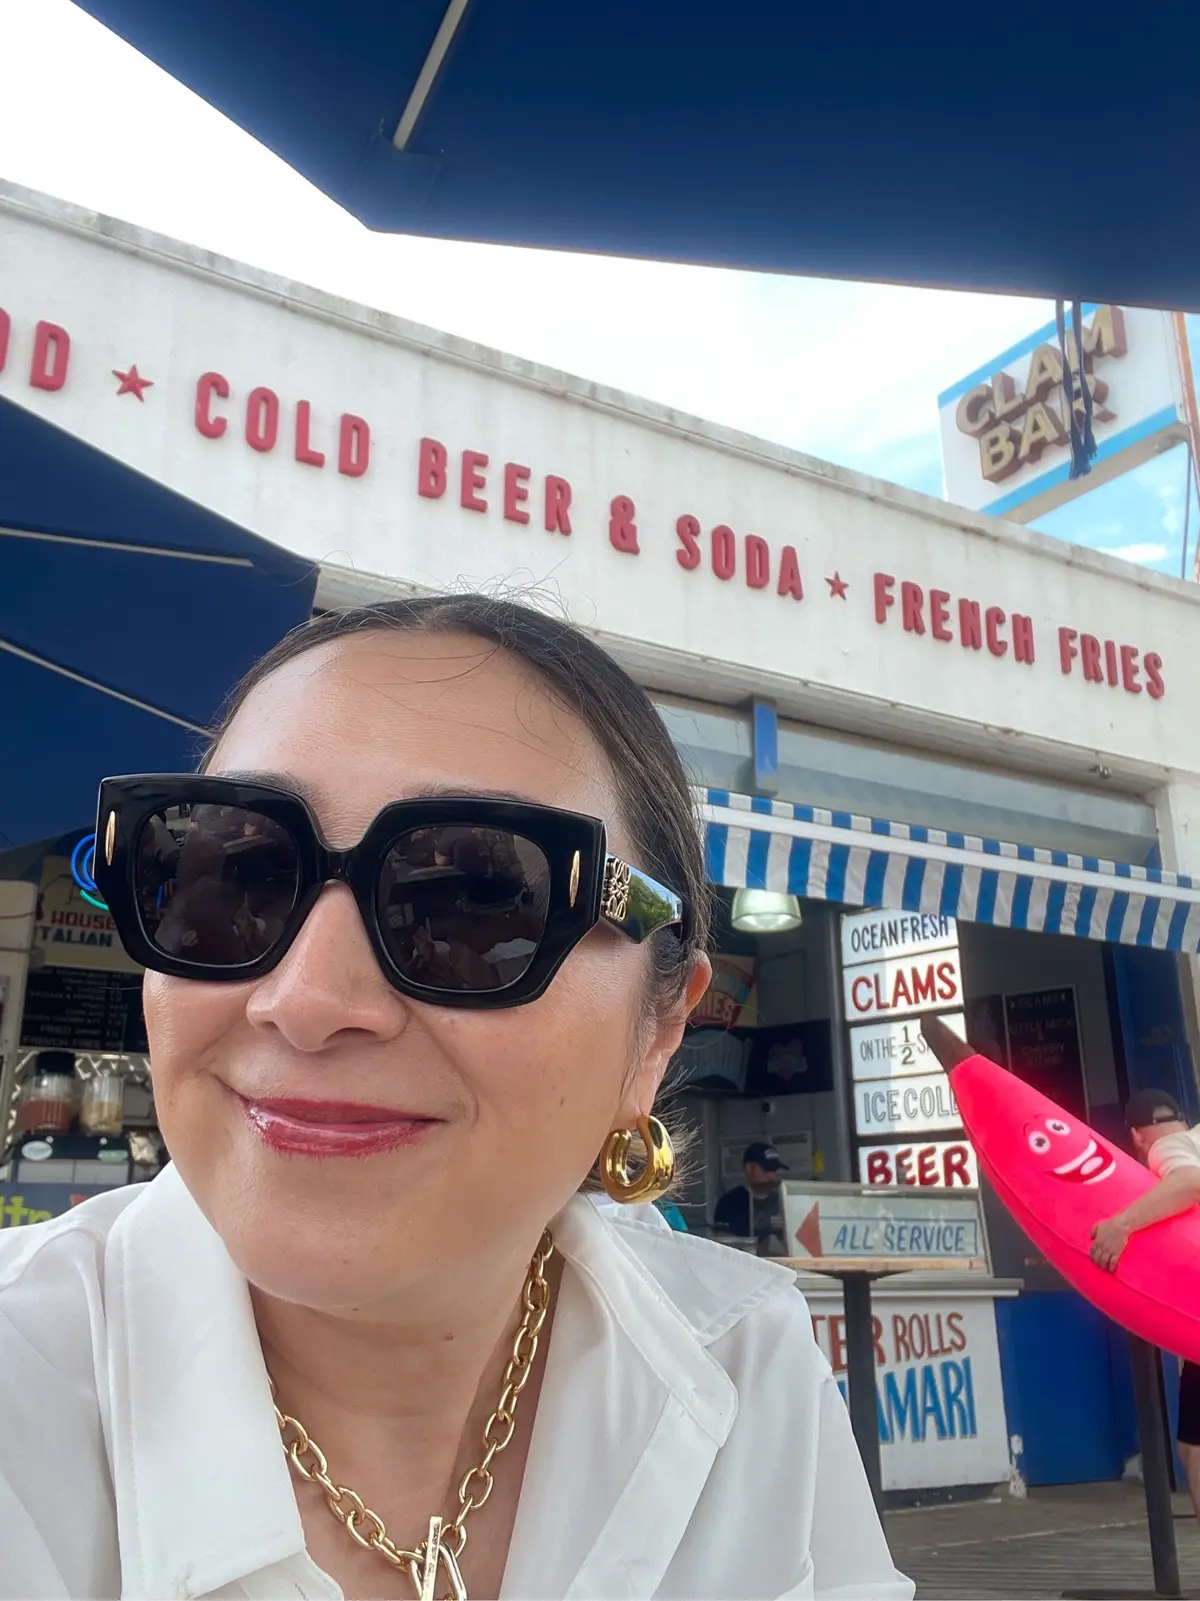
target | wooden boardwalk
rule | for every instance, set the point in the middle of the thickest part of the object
(1090, 1537)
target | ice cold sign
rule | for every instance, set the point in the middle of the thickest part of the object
(905, 1106)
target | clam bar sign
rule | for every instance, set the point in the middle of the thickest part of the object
(1006, 427)
(841, 1227)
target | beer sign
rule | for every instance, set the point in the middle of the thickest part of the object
(928, 1164)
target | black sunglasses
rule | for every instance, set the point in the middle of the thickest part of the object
(468, 902)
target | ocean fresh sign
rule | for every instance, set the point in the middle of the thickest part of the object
(867, 936)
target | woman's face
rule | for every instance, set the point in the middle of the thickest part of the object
(518, 1102)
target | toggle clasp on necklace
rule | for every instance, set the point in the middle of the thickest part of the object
(434, 1556)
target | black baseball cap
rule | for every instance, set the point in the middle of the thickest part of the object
(1147, 1107)
(766, 1156)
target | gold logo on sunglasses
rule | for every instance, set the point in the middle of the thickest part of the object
(615, 902)
(110, 837)
(574, 891)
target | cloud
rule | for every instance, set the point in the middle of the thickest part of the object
(1144, 555)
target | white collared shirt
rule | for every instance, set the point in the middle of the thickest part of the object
(690, 1442)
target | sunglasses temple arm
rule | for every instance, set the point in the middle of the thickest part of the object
(637, 904)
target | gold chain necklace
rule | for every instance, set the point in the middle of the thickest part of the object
(440, 1551)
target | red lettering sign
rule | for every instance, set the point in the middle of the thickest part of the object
(431, 469)
(208, 385)
(262, 420)
(304, 449)
(622, 529)
(473, 481)
(51, 356)
(354, 446)
(558, 505)
(932, 1164)
(516, 493)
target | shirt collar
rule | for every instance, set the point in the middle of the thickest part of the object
(202, 1486)
(634, 1406)
(203, 1490)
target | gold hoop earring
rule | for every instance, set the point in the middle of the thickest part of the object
(654, 1179)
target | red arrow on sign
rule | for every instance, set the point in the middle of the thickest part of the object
(809, 1232)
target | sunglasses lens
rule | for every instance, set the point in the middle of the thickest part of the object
(463, 908)
(215, 884)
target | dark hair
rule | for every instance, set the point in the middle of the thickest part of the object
(651, 785)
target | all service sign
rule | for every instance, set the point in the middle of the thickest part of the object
(1005, 427)
(843, 1228)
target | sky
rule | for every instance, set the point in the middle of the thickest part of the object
(848, 372)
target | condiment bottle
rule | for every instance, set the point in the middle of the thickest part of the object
(46, 1102)
(102, 1107)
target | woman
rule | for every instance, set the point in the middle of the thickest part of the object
(371, 1246)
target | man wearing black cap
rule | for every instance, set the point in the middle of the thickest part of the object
(751, 1210)
(1171, 1150)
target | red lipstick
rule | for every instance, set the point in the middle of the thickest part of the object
(332, 1128)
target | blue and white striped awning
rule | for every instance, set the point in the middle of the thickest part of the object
(754, 843)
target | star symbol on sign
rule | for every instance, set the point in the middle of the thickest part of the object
(132, 382)
(837, 587)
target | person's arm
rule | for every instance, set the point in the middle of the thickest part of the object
(1177, 1192)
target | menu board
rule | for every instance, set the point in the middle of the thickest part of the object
(1044, 1047)
(82, 1009)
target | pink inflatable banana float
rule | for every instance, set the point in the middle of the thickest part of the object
(1059, 1179)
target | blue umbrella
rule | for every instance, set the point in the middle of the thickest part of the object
(126, 615)
(1040, 149)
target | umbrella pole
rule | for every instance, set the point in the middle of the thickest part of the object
(860, 1375)
(1156, 1479)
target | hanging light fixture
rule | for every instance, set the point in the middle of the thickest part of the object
(765, 911)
